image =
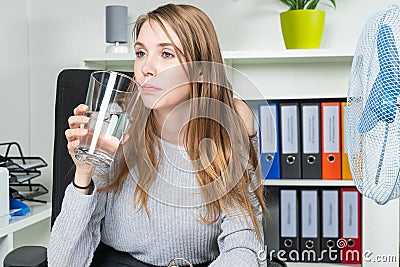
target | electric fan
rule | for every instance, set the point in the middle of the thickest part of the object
(372, 119)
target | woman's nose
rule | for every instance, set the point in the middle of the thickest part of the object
(149, 67)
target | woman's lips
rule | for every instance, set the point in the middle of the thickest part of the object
(148, 88)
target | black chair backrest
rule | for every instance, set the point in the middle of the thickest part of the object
(72, 86)
(71, 91)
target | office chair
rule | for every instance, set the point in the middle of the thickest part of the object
(71, 90)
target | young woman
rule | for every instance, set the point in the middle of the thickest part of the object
(185, 184)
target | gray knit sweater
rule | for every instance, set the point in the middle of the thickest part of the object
(172, 231)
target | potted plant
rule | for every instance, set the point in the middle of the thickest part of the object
(302, 25)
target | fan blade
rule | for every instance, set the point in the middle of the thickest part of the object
(388, 57)
(369, 117)
(381, 104)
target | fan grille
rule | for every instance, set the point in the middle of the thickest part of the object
(372, 125)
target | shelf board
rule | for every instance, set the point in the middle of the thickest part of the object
(108, 61)
(38, 213)
(288, 56)
(307, 182)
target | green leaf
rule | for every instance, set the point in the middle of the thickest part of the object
(300, 4)
(312, 4)
(304, 4)
(293, 4)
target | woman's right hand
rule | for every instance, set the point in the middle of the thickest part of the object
(83, 172)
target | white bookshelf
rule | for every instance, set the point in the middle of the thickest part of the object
(38, 212)
(110, 61)
(299, 74)
(288, 56)
(257, 74)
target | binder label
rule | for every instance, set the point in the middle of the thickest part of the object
(310, 122)
(289, 130)
(331, 129)
(330, 214)
(288, 213)
(350, 214)
(309, 214)
(268, 129)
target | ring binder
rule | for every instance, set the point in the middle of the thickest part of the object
(350, 211)
(272, 220)
(269, 140)
(310, 135)
(310, 225)
(330, 230)
(331, 149)
(289, 221)
(290, 140)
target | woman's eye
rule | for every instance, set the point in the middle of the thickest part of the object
(167, 55)
(140, 54)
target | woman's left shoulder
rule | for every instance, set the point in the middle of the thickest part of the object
(245, 114)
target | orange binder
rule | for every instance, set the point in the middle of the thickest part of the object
(331, 149)
(346, 174)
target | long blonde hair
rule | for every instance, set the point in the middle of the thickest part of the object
(199, 43)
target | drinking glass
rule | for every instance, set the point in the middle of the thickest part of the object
(111, 97)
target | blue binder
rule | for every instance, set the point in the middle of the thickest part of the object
(269, 140)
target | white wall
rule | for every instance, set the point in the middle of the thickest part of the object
(62, 33)
(14, 74)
